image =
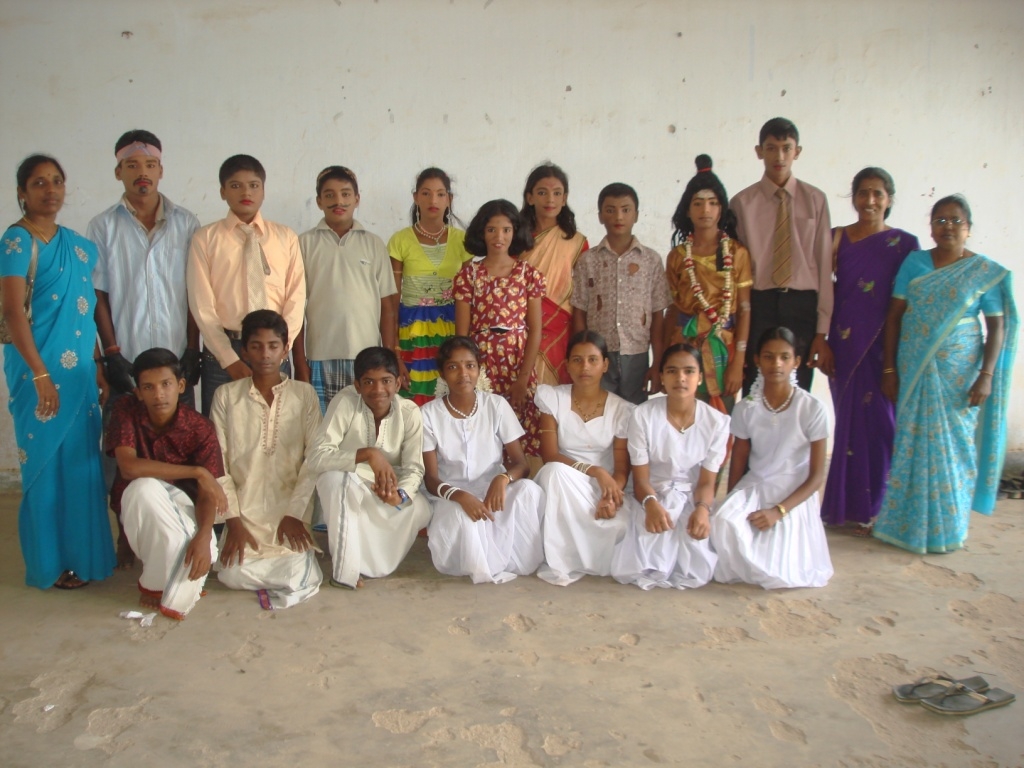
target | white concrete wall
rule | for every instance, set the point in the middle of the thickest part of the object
(613, 90)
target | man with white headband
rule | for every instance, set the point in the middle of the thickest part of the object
(139, 277)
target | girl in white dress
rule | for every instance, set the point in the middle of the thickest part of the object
(583, 443)
(486, 520)
(676, 446)
(768, 530)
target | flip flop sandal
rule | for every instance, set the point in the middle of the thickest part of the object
(64, 582)
(938, 685)
(964, 701)
(1014, 487)
(264, 599)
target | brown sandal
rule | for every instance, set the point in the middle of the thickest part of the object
(69, 580)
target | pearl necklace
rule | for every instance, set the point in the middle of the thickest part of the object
(430, 235)
(472, 412)
(776, 411)
(721, 315)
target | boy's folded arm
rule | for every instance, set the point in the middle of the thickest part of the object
(132, 467)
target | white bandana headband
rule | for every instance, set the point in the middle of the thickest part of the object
(138, 148)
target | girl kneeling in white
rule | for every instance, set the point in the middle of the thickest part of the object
(583, 443)
(487, 517)
(768, 530)
(676, 446)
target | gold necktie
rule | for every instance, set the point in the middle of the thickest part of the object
(255, 270)
(782, 242)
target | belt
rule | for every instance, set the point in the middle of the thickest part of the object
(785, 290)
(501, 329)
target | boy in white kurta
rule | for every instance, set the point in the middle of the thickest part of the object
(368, 459)
(266, 425)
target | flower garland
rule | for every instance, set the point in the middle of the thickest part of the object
(720, 316)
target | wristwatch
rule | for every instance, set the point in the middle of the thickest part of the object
(403, 496)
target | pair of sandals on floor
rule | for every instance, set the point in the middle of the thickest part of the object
(946, 696)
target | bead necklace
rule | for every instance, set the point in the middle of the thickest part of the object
(776, 411)
(719, 316)
(430, 235)
(472, 412)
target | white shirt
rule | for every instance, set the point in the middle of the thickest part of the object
(348, 426)
(590, 441)
(674, 458)
(470, 449)
(265, 447)
(780, 444)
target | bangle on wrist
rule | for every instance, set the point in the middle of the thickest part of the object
(702, 504)
(582, 466)
(647, 498)
(983, 372)
(782, 510)
(888, 370)
(41, 376)
(741, 346)
(508, 475)
(112, 349)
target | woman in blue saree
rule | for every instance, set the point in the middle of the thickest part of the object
(951, 386)
(52, 378)
(868, 254)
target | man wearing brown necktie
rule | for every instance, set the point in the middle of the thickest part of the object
(785, 225)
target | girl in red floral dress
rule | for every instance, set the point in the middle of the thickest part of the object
(498, 303)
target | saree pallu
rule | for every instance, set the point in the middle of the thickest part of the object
(422, 329)
(555, 257)
(865, 418)
(62, 521)
(947, 455)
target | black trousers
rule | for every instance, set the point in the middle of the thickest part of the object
(796, 310)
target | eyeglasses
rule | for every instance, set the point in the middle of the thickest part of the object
(956, 222)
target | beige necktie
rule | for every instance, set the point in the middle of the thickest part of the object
(255, 283)
(782, 251)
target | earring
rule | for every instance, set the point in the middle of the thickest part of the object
(416, 215)
(21, 204)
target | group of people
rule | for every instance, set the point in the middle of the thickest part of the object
(421, 382)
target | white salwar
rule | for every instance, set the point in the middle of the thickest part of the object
(159, 521)
(672, 558)
(576, 543)
(265, 479)
(793, 552)
(469, 456)
(368, 536)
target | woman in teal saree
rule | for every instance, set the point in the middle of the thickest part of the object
(52, 378)
(951, 384)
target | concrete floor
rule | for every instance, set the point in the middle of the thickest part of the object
(424, 670)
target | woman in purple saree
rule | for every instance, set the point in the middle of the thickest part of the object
(868, 254)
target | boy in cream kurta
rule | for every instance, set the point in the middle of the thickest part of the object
(369, 461)
(266, 426)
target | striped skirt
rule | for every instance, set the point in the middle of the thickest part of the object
(421, 330)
